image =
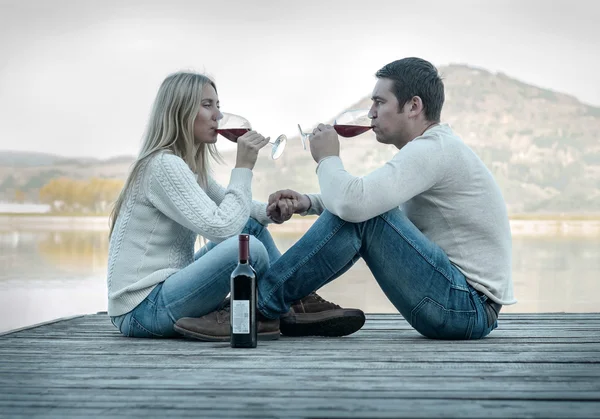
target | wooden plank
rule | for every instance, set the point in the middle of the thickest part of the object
(538, 344)
(269, 406)
(35, 326)
(544, 365)
(181, 396)
(572, 388)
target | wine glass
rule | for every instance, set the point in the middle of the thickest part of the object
(233, 126)
(348, 124)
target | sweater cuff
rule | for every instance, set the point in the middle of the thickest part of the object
(316, 205)
(241, 176)
(329, 162)
(259, 213)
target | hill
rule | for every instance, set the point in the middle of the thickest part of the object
(542, 147)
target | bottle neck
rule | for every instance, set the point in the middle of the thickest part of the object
(244, 248)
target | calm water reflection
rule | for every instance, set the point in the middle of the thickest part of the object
(46, 275)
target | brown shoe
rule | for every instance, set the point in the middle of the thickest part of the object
(314, 316)
(215, 326)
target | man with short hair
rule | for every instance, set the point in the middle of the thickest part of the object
(431, 224)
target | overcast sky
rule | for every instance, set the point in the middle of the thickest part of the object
(77, 78)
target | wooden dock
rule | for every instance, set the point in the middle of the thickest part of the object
(533, 365)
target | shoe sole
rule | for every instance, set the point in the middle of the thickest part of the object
(343, 323)
(207, 338)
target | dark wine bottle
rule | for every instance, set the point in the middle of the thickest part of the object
(243, 299)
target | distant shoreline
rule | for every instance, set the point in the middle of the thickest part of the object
(524, 217)
(568, 225)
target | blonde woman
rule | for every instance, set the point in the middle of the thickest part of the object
(154, 278)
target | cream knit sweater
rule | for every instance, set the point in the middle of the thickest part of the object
(159, 222)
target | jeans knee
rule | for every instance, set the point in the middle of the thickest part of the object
(253, 227)
(259, 257)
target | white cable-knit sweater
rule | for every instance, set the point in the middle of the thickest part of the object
(159, 221)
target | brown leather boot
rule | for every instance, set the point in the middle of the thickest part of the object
(215, 326)
(314, 316)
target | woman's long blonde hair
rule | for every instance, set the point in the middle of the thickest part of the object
(171, 128)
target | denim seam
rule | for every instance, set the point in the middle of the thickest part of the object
(442, 306)
(303, 262)
(196, 292)
(459, 288)
(260, 228)
(472, 319)
(133, 319)
(410, 242)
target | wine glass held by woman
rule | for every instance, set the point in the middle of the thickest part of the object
(232, 126)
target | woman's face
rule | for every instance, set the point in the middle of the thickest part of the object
(207, 120)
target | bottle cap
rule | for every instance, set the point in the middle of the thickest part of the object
(244, 246)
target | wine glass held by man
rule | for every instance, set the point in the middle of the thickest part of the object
(348, 124)
(169, 199)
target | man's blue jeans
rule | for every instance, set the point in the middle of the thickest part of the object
(199, 288)
(413, 272)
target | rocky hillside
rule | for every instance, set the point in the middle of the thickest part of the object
(543, 147)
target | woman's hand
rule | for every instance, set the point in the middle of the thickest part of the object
(248, 146)
(284, 203)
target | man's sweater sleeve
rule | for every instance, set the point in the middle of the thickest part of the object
(417, 167)
(172, 188)
(316, 205)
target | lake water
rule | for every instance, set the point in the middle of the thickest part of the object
(46, 274)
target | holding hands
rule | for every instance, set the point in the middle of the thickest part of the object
(284, 203)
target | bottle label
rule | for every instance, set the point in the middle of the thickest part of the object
(240, 316)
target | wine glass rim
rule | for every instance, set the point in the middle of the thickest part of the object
(232, 114)
(355, 110)
(232, 119)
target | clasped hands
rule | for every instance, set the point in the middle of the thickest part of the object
(284, 203)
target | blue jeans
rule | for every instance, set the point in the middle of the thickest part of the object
(199, 288)
(413, 272)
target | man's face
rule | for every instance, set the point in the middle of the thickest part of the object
(389, 124)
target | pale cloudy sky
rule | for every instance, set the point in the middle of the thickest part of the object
(77, 77)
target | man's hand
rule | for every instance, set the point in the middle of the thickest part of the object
(324, 142)
(284, 203)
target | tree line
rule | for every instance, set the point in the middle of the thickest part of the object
(94, 196)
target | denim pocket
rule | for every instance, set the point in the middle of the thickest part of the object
(434, 321)
(491, 309)
(136, 330)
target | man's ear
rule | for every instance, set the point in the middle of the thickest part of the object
(415, 106)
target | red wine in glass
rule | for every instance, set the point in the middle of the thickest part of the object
(349, 124)
(233, 126)
(232, 134)
(350, 130)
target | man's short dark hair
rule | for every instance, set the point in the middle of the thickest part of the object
(416, 77)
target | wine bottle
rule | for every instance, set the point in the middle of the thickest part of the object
(243, 299)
